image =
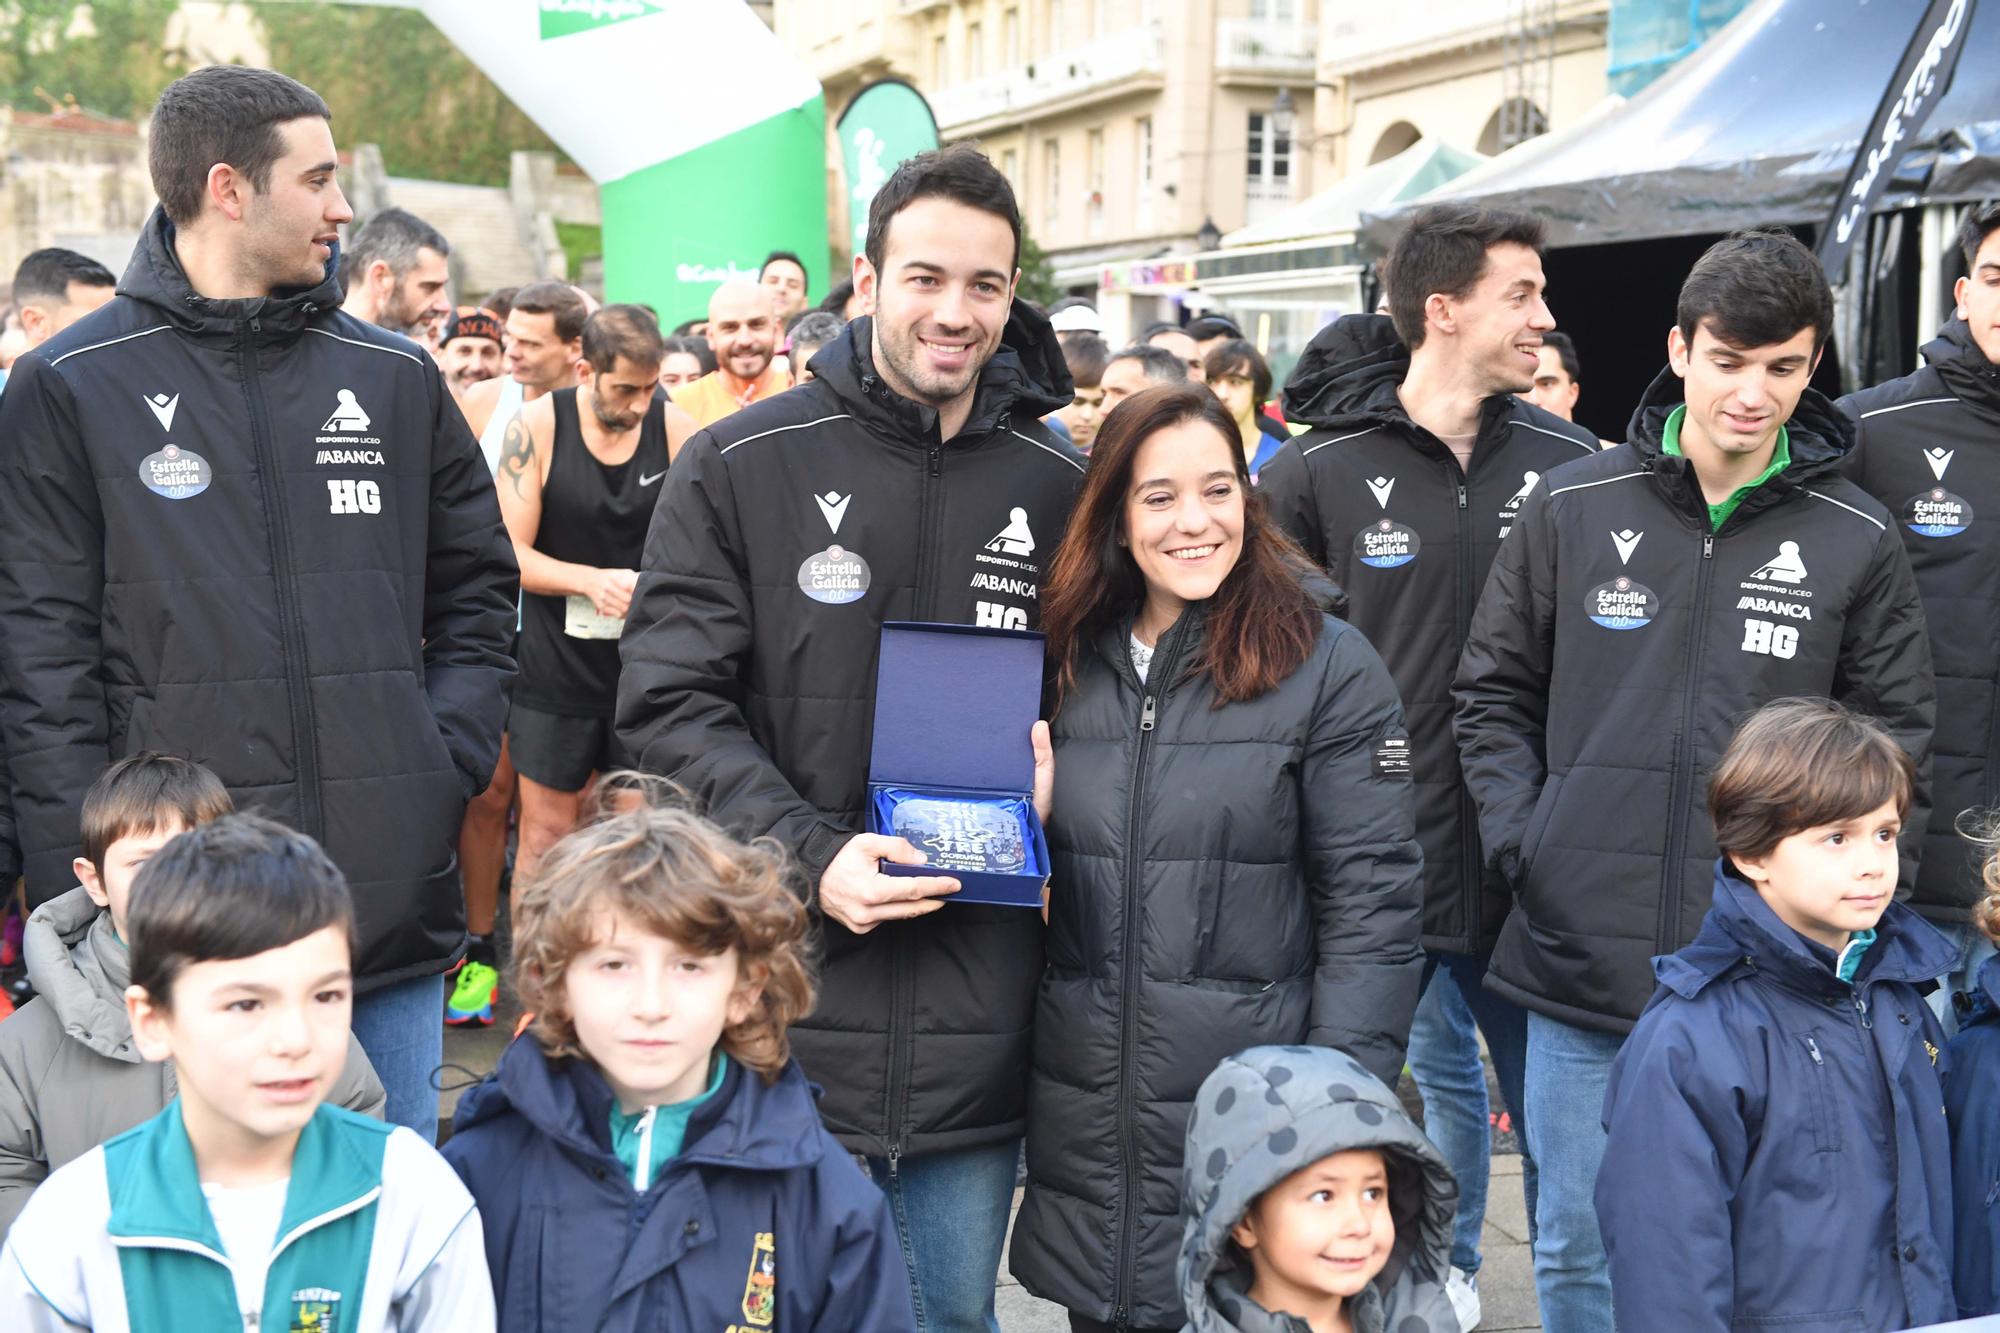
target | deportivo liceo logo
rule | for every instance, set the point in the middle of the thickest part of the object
(1015, 538)
(1939, 459)
(347, 414)
(1626, 542)
(1784, 567)
(1528, 480)
(163, 409)
(1380, 488)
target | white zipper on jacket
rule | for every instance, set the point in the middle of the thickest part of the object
(642, 1170)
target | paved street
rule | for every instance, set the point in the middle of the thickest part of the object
(1506, 1284)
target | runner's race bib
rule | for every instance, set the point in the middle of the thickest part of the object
(581, 621)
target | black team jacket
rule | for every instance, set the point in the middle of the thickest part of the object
(1411, 585)
(1929, 450)
(256, 533)
(1617, 647)
(785, 535)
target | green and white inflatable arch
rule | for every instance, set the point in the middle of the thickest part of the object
(706, 138)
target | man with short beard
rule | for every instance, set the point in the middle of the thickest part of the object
(743, 328)
(911, 479)
(393, 269)
(579, 473)
(470, 349)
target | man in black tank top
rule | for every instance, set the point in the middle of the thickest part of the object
(577, 486)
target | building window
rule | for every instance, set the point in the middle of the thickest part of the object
(940, 71)
(1281, 11)
(1267, 166)
(1052, 182)
(975, 50)
(1055, 25)
(1010, 167)
(1100, 17)
(1010, 37)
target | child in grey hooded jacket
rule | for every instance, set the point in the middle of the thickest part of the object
(1280, 1139)
(70, 1074)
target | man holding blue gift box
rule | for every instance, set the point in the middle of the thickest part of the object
(911, 480)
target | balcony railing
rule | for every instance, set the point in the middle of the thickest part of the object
(1357, 34)
(1052, 78)
(1266, 46)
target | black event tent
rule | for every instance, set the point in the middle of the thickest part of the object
(1757, 126)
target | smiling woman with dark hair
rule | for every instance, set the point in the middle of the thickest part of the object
(1232, 840)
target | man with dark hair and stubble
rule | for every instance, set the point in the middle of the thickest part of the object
(786, 536)
(54, 288)
(394, 272)
(785, 274)
(1928, 448)
(1140, 366)
(1650, 597)
(240, 525)
(1417, 461)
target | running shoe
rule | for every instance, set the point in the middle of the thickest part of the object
(471, 1001)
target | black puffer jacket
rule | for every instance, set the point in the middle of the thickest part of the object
(1223, 877)
(758, 694)
(1929, 450)
(1617, 647)
(1364, 463)
(323, 616)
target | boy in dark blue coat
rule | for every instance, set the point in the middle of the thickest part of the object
(1972, 1102)
(652, 1157)
(1777, 1150)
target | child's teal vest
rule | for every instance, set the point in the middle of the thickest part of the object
(175, 1273)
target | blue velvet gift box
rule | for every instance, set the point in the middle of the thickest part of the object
(953, 708)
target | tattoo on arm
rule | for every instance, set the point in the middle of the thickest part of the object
(517, 453)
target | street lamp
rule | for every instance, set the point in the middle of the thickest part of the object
(1209, 237)
(1282, 118)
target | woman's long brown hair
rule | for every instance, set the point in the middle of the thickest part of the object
(1262, 622)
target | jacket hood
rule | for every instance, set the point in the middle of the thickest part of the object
(1819, 437)
(1965, 369)
(1026, 379)
(1341, 375)
(1981, 1004)
(155, 276)
(1741, 931)
(80, 966)
(1270, 1111)
(748, 1123)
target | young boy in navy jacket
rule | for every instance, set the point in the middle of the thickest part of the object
(1777, 1147)
(651, 1157)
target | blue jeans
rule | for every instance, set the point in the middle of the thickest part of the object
(1973, 951)
(1444, 1062)
(1569, 1070)
(402, 1029)
(951, 1215)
